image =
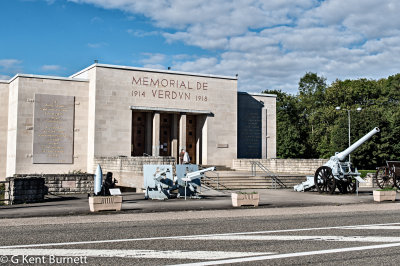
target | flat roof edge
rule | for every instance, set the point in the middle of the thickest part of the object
(83, 70)
(258, 94)
(46, 77)
(154, 71)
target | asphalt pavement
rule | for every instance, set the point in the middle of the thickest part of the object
(68, 205)
(350, 234)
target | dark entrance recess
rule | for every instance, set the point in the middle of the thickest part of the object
(191, 137)
(138, 133)
(165, 134)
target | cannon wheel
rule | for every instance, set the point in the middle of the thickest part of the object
(396, 181)
(382, 178)
(348, 185)
(342, 186)
(352, 185)
(324, 180)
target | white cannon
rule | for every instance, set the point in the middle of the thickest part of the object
(161, 183)
(337, 172)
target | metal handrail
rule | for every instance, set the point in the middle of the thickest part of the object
(217, 182)
(216, 175)
(274, 177)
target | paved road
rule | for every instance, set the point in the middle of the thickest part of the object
(212, 200)
(329, 235)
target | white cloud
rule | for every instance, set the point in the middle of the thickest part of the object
(271, 44)
(154, 66)
(9, 63)
(153, 59)
(204, 65)
(9, 66)
(50, 67)
(4, 77)
(142, 33)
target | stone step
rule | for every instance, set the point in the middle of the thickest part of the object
(257, 177)
(257, 181)
(246, 181)
(241, 186)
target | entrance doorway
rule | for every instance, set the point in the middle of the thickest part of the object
(138, 133)
(191, 137)
(165, 134)
(146, 125)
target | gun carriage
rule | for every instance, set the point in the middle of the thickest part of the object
(161, 183)
(389, 175)
(337, 172)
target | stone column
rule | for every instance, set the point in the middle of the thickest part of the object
(204, 141)
(201, 119)
(182, 132)
(155, 144)
(264, 133)
(174, 137)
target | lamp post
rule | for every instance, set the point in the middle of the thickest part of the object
(348, 115)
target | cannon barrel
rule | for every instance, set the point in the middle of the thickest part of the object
(342, 155)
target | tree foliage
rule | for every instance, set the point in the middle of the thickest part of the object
(309, 126)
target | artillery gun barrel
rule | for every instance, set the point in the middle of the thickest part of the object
(197, 174)
(342, 155)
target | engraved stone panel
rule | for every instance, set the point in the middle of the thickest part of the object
(53, 135)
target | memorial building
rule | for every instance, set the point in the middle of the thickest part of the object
(64, 124)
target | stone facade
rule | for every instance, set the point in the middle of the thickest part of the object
(62, 184)
(369, 181)
(115, 89)
(174, 111)
(3, 127)
(282, 166)
(20, 125)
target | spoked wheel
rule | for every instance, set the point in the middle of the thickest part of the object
(351, 185)
(382, 178)
(342, 186)
(324, 180)
(396, 181)
(347, 185)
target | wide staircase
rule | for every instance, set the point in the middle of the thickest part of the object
(260, 177)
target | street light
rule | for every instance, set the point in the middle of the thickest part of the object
(348, 114)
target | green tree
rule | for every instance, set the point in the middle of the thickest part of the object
(309, 126)
(289, 142)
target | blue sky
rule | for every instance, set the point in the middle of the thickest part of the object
(270, 44)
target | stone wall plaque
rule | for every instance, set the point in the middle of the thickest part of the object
(53, 133)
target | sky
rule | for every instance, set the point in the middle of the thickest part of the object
(270, 44)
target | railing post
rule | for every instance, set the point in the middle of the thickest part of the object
(217, 181)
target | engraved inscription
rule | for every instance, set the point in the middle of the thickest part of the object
(53, 137)
(171, 89)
